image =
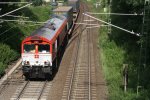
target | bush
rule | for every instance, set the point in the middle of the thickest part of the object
(37, 2)
(2, 68)
(7, 54)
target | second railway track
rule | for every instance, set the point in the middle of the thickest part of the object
(81, 75)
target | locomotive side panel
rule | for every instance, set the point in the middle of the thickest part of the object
(59, 42)
(62, 36)
(70, 18)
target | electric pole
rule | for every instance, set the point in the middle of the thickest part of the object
(54, 3)
(109, 17)
(144, 45)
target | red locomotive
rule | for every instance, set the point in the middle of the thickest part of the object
(40, 49)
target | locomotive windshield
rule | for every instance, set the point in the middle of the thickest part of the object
(29, 48)
(43, 48)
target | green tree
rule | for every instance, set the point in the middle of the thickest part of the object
(37, 2)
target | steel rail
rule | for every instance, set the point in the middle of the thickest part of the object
(24, 87)
(74, 66)
(89, 63)
(44, 85)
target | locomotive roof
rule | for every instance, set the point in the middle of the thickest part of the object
(49, 30)
(63, 9)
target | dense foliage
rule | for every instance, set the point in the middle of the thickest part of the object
(131, 44)
(37, 2)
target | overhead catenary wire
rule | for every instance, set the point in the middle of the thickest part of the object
(14, 34)
(89, 20)
(97, 26)
(7, 14)
(109, 17)
(1, 21)
(22, 21)
(15, 10)
(85, 24)
(32, 25)
(137, 34)
(17, 16)
(15, 26)
(3, 26)
(9, 37)
(14, 2)
(121, 14)
(7, 30)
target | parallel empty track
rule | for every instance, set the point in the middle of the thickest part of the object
(81, 74)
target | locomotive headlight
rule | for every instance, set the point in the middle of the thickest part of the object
(26, 62)
(46, 62)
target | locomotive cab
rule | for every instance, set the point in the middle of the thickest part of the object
(36, 59)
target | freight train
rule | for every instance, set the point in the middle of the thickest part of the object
(40, 50)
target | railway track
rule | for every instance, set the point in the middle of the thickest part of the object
(14, 79)
(75, 33)
(91, 65)
(31, 90)
(80, 78)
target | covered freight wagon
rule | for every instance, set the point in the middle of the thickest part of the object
(65, 11)
(75, 4)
